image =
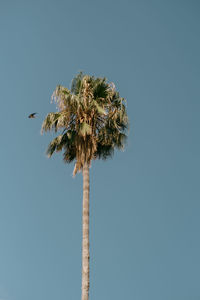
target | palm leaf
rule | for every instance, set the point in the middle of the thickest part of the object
(85, 129)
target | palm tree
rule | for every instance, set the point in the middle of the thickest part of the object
(92, 121)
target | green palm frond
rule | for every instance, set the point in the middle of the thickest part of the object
(85, 129)
(99, 108)
(50, 122)
(55, 145)
(76, 83)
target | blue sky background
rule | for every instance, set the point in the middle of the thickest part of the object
(145, 205)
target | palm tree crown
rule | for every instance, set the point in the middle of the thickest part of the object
(93, 120)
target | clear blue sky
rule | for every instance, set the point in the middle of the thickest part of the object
(145, 204)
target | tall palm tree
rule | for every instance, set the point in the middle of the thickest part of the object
(92, 121)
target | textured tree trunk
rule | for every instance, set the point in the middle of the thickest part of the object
(85, 233)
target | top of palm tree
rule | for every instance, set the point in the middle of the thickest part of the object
(92, 117)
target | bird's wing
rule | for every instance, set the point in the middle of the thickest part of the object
(32, 115)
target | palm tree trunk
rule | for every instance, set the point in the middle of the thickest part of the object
(85, 233)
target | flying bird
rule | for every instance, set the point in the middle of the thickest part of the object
(32, 116)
